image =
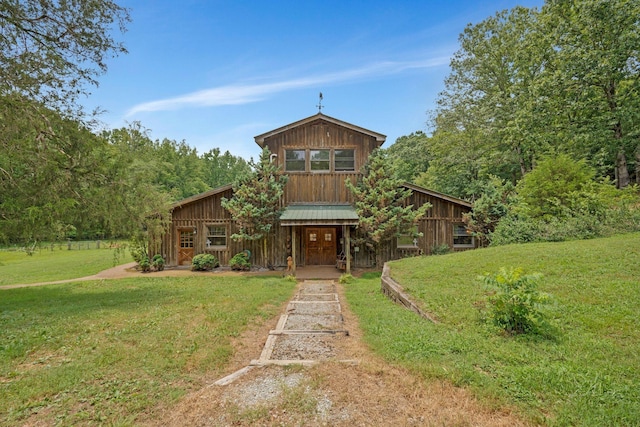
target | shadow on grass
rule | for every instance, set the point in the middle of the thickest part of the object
(77, 298)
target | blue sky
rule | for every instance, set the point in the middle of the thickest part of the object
(218, 73)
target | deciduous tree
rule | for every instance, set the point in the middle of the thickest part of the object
(51, 50)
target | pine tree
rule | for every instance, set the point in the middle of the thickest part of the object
(381, 204)
(256, 204)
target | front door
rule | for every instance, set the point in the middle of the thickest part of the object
(320, 245)
(185, 246)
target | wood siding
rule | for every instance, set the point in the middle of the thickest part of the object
(320, 187)
(199, 212)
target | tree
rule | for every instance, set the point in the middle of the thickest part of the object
(549, 190)
(256, 204)
(223, 169)
(593, 81)
(381, 204)
(493, 205)
(410, 155)
(488, 95)
(527, 83)
(50, 50)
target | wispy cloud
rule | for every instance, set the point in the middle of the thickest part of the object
(244, 94)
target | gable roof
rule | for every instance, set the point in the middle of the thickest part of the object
(442, 196)
(197, 197)
(380, 138)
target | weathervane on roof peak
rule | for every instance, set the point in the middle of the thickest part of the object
(320, 104)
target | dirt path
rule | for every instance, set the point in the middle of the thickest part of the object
(348, 387)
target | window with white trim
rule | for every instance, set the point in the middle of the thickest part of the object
(216, 237)
(462, 238)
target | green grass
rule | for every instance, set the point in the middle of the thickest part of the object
(584, 371)
(111, 352)
(17, 267)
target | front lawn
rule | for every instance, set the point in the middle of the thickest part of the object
(586, 371)
(45, 265)
(108, 353)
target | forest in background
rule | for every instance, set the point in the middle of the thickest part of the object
(553, 90)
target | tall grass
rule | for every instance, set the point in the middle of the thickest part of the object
(110, 352)
(585, 371)
(16, 267)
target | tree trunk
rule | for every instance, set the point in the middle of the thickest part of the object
(622, 172)
(638, 164)
(264, 252)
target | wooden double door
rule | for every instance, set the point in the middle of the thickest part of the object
(320, 245)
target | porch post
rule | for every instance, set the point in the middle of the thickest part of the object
(347, 239)
(293, 250)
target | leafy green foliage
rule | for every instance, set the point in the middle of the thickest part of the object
(158, 262)
(256, 204)
(240, 262)
(442, 249)
(559, 200)
(144, 264)
(50, 50)
(381, 204)
(346, 278)
(528, 83)
(515, 300)
(554, 185)
(204, 262)
(410, 156)
(493, 205)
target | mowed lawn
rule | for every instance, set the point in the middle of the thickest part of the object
(584, 372)
(16, 267)
(111, 352)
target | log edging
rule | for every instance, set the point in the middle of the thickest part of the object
(392, 290)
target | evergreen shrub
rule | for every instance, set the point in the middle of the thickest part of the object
(204, 262)
(240, 262)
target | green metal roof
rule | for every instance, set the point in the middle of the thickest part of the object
(319, 215)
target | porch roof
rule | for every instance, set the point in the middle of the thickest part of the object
(319, 215)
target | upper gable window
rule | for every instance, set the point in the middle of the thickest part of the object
(320, 160)
(295, 161)
(344, 160)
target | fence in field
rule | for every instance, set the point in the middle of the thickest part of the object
(60, 246)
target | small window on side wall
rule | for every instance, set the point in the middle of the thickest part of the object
(216, 236)
(295, 160)
(462, 238)
(408, 240)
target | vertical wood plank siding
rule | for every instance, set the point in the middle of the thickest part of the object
(320, 187)
(305, 187)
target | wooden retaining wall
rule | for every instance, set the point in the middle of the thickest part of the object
(394, 291)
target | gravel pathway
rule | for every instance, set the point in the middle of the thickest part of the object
(309, 331)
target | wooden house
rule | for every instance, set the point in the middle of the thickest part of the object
(318, 154)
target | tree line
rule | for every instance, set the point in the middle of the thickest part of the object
(531, 83)
(62, 180)
(539, 123)
(60, 177)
